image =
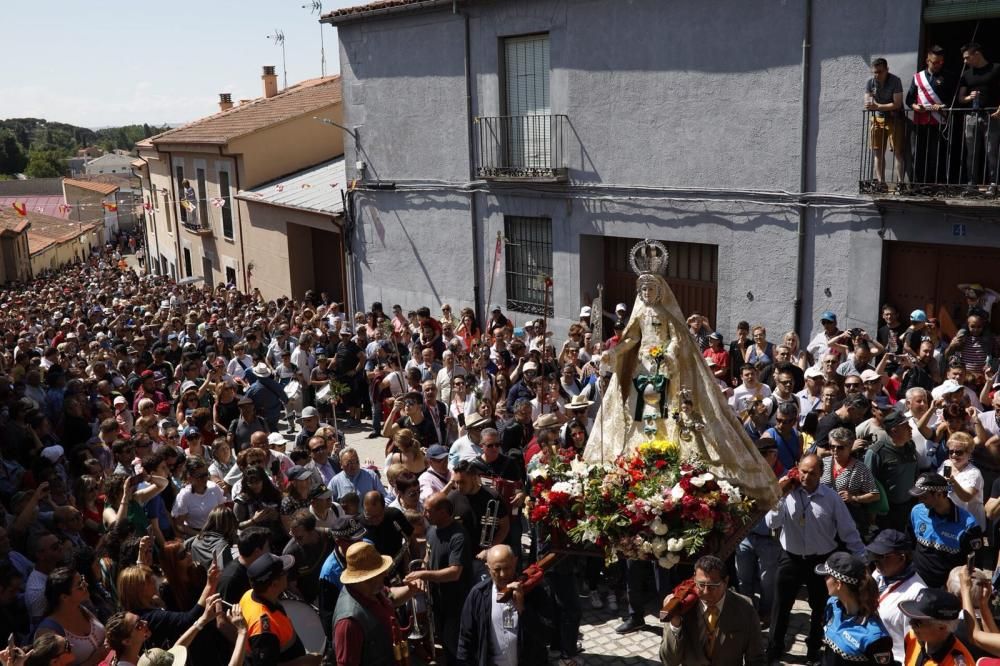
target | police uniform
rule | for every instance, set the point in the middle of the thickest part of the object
(943, 541)
(851, 639)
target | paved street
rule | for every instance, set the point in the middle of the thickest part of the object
(601, 645)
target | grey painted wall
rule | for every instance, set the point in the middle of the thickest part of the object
(664, 95)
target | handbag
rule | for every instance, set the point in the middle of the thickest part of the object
(881, 507)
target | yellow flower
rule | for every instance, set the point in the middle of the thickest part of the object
(657, 447)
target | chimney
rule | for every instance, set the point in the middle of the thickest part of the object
(225, 101)
(270, 81)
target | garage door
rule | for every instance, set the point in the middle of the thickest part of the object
(926, 276)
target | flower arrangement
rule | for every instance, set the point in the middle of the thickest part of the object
(650, 505)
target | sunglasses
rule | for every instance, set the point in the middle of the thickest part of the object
(705, 585)
(956, 453)
(839, 447)
(318, 449)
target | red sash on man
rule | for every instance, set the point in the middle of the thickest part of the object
(927, 96)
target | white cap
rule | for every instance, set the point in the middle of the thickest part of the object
(812, 372)
(585, 311)
(276, 439)
(948, 387)
(869, 376)
(621, 307)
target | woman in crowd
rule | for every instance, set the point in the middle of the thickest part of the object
(798, 355)
(196, 499)
(463, 402)
(217, 540)
(854, 634)
(257, 504)
(225, 409)
(405, 450)
(101, 602)
(181, 577)
(966, 481)
(850, 477)
(760, 353)
(66, 592)
(223, 461)
(91, 506)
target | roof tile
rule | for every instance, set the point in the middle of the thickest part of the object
(372, 7)
(92, 185)
(262, 112)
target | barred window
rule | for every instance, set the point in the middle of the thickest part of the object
(529, 264)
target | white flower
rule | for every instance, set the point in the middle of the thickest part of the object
(675, 545)
(656, 503)
(677, 493)
(668, 561)
(658, 526)
(732, 491)
(539, 473)
(579, 468)
(697, 481)
(659, 547)
(646, 548)
(707, 476)
(571, 488)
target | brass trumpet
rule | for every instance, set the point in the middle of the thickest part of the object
(489, 522)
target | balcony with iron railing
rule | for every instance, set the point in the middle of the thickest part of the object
(947, 154)
(526, 148)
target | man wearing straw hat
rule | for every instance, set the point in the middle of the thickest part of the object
(363, 621)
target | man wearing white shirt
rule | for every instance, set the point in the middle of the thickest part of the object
(449, 370)
(751, 389)
(918, 403)
(810, 396)
(819, 346)
(897, 581)
(241, 363)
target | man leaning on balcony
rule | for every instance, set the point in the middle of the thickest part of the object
(884, 98)
(931, 92)
(980, 89)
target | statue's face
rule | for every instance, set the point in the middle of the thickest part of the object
(649, 293)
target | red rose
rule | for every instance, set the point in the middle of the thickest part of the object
(539, 513)
(660, 464)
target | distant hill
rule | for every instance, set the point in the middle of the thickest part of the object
(23, 138)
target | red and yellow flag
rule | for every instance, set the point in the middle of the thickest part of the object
(110, 207)
(21, 208)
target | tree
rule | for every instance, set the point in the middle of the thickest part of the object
(44, 164)
(12, 157)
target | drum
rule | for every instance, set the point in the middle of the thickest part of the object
(307, 624)
(323, 395)
(293, 390)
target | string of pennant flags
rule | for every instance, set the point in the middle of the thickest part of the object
(21, 208)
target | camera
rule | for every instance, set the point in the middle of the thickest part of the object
(854, 332)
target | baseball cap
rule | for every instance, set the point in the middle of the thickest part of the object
(869, 375)
(812, 372)
(844, 567)
(585, 311)
(298, 473)
(530, 365)
(268, 566)
(929, 482)
(893, 419)
(437, 452)
(918, 315)
(889, 541)
(947, 387)
(621, 307)
(190, 432)
(276, 439)
(828, 316)
(932, 604)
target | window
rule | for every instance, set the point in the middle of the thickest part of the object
(227, 205)
(529, 264)
(526, 96)
(187, 262)
(202, 199)
(156, 198)
(230, 275)
(180, 192)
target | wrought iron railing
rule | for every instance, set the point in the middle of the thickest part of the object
(948, 153)
(521, 147)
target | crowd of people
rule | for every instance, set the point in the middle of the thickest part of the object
(174, 474)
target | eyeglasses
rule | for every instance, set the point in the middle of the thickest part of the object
(706, 585)
(839, 447)
(852, 385)
(956, 453)
(491, 446)
(318, 449)
(786, 382)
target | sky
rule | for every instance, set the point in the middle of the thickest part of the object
(112, 62)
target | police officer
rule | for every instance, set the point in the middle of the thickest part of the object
(853, 633)
(945, 534)
(271, 637)
(932, 640)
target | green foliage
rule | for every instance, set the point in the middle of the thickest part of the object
(36, 135)
(12, 156)
(45, 164)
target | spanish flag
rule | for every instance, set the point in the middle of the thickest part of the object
(21, 208)
(110, 207)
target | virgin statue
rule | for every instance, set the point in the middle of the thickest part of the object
(661, 389)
